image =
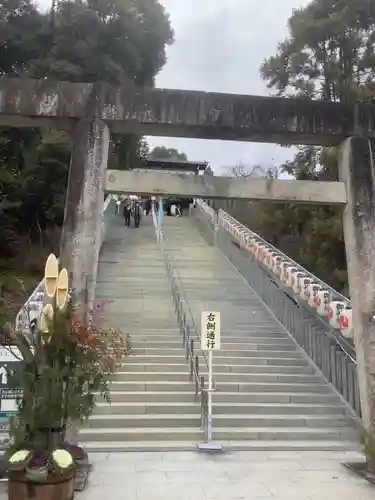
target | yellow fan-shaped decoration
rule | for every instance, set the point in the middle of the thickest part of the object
(46, 318)
(51, 275)
(62, 289)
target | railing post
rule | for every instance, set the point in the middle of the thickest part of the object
(197, 378)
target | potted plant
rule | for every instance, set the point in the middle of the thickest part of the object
(66, 363)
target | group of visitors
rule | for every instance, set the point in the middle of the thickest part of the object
(132, 208)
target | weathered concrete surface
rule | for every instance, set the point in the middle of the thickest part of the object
(252, 475)
(80, 242)
(182, 113)
(356, 170)
(128, 181)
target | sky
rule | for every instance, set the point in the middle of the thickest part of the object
(219, 47)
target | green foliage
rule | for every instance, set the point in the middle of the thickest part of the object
(329, 54)
(65, 367)
(122, 41)
(162, 153)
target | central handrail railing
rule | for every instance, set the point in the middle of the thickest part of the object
(179, 299)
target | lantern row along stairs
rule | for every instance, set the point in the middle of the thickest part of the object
(269, 394)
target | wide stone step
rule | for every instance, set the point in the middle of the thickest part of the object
(275, 397)
(288, 420)
(229, 353)
(137, 386)
(219, 378)
(127, 421)
(131, 408)
(229, 340)
(267, 446)
(293, 409)
(174, 343)
(218, 360)
(143, 339)
(142, 434)
(220, 369)
(278, 409)
(252, 346)
(274, 434)
(253, 334)
(266, 378)
(165, 397)
(165, 376)
(185, 385)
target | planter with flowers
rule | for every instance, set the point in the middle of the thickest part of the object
(67, 363)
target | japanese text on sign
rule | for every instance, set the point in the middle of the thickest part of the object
(210, 331)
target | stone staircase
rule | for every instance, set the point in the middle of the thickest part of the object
(153, 400)
(269, 395)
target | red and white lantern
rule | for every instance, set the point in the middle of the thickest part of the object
(314, 288)
(284, 264)
(297, 281)
(346, 323)
(276, 262)
(322, 300)
(290, 271)
(261, 252)
(335, 309)
(304, 287)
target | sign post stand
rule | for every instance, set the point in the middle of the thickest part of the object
(209, 397)
(210, 341)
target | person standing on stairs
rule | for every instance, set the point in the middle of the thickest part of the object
(127, 214)
(137, 214)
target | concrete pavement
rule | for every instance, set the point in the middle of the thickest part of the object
(232, 476)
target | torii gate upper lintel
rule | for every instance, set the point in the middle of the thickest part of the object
(183, 113)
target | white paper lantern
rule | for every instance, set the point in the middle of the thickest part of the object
(284, 264)
(297, 278)
(290, 271)
(304, 287)
(314, 288)
(269, 258)
(322, 300)
(258, 249)
(346, 323)
(261, 252)
(276, 262)
(266, 252)
(255, 249)
(334, 311)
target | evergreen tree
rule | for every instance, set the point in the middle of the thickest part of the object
(329, 54)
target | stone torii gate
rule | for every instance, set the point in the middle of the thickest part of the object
(89, 111)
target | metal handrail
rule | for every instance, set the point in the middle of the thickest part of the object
(185, 301)
(175, 283)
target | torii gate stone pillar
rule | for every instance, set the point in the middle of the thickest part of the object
(81, 235)
(356, 170)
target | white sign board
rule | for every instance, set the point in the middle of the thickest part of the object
(10, 361)
(210, 331)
